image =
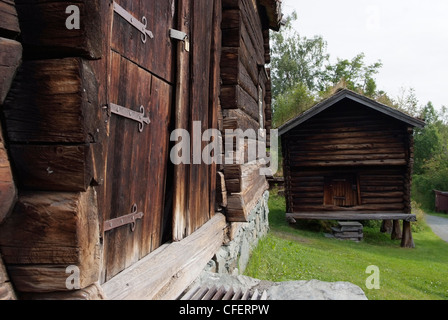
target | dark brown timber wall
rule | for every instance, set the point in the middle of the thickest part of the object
(348, 157)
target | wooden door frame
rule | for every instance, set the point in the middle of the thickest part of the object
(186, 219)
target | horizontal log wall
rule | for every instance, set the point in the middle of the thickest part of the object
(380, 189)
(354, 141)
(55, 126)
(356, 137)
(245, 41)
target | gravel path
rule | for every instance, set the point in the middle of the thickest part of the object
(439, 226)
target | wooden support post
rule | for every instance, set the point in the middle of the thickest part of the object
(407, 241)
(396, 231)
(386, 226)
(182, 114)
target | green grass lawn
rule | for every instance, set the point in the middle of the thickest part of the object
(304, 253)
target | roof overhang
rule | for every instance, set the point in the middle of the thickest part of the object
(348, 94)
(274, 13)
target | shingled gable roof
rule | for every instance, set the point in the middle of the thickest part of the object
(348, 94)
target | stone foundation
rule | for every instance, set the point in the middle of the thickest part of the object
(233, 257)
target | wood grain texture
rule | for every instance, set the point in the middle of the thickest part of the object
(54, 168)
(10, 59)
(45, 35)
(53, 101)
(181, 119)
(8, 190)
(46, 233)
(92, 292)
(9, 23)
(6, 289)
(167, 272)
(156, 55)
(136, 164)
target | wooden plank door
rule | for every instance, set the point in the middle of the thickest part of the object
(341, 191)
(141, 77)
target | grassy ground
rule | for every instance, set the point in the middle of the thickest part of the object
(304, 253)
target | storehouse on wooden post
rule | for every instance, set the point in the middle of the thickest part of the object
(89, 113)
(350, 158)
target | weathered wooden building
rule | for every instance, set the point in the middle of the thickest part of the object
(349, 157)
(101, 211)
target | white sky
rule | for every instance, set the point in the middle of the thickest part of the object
(410, 37)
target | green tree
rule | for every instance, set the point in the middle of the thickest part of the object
(296, 59)
(301, 72)
(430, 156)
(428, 141)
(357, 75)
(408, 102)
(292, 103)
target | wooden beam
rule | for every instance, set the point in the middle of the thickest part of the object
(92, 292)
(341, 215)
(168, 271)
(10, 59)
(241, 204)
(8, 191)
(46, 233)
(44, 32)
(54, 167)
(9, 23)
(182, 115)
(54, 101)
(6, 289)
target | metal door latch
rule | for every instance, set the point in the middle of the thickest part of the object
(181, 36)
(140, 26)
(125, 220)
(132, 115)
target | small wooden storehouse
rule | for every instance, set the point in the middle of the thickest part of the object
(350, 158)
(91, 205)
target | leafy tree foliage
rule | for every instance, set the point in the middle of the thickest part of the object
(302, 75)
(302, 72)
(431, 156)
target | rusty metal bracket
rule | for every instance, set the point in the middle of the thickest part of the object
(140, 26)
(130, 114)
(125, 220)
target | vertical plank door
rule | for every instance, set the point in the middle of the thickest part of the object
(141, 77)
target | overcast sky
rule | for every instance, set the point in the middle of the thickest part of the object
(410, 37)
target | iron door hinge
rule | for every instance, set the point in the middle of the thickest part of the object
(132, 115)
(130, 219)
(140, 26)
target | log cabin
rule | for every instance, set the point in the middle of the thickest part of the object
(350, 158)
(91, 205)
